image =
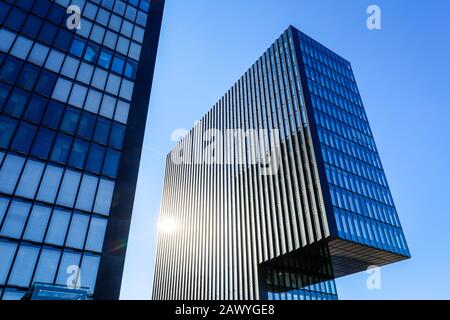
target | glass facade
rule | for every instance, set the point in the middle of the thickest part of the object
(65, 101)
(362, 202)
(326, 211)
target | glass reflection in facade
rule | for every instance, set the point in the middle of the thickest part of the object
(326, 212)
(67, 99)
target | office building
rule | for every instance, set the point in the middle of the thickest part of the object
(279, 189)
(75, 81)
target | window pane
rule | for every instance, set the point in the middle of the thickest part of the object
(87, 192)
(17, 102)
(7, 250)
(46, 268)
(37, 223)
(104, 197)
(69, 259)
(70, 120)
(3, 206)
(53, 115)
(87, 124)
(24, 137)
(89, 269)
(69, 188)
(50, 183)
(58, 227)
(79, 154)
(43, 143)
(111, 163)
(96, 234)
(95, 159)
(30, 179)
(61, 148)
(35, 109)
(46, 83)
(15, 219)
(77, 231)
(23, 266)
(9, 174)
(102, 131)
(117, 136)
(7, 127)
(28, 77)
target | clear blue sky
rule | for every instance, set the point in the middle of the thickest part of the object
(403, 74)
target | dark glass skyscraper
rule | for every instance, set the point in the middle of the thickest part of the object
(73, 105)
(236, 226)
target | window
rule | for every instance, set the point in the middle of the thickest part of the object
(46, 268)
(78, 95)
(96, 235)
(95, 159)
(85, 74)
(61, 149)
(102, 131)
(17, 102)
(21, 47)
(28, 77)
(50, 183)
(16, 19)
(91, 54)
(93, 101)
(99, 79)
(62, 90)
(10, 172)
(87, 124)
(37, 223)
(70, 120)
(38, 54)
(77, 231)
(43, 143)
(105, 59)
(54, 61)
(4, 92)
(69, 259)
(24, 137)
(15, 219)
(35, 109)
(7, 39)
(104, 197)
(53, 115)
(7, 251)
(69, 188)
(10, 70)
(63, 40)
(3, 206)
(48, 33)
(130, 70)
(87, 192)
(113, 84)
(30, 179)
(108, 106)
(126, 90)
(79, 154)
(22, 270)
(110, 39)
(58, 227)
(70, 67)
(7, 127)
(122, 111)
(77, 48)
(111, 163)
(118, 65)
(117, 136)
(46, 83)
(89, 269)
